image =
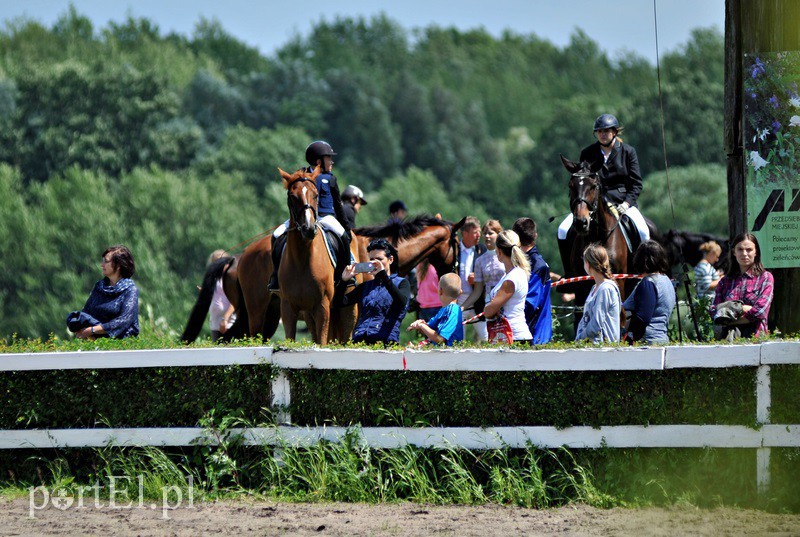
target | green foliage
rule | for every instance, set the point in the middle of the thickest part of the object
(698, 194)
(529, 398)
(422, 193)
(175, 140)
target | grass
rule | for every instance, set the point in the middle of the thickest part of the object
(349, 471)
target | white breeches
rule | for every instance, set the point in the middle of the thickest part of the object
(632, 212)
(328, 222)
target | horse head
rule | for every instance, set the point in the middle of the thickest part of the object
(302, 198)
(585, 194)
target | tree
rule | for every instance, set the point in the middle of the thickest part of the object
(255, 155)
(698, 193)
(98, 118)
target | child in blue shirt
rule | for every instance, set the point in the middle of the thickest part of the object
(446, 326)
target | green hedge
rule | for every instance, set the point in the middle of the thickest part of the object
(180, 396)
(147, 397)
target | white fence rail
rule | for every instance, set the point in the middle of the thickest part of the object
(760, 356)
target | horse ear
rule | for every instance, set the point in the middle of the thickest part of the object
(316, 172)
(286, 178)
(595, 166)
(571, 167)
(458, 225)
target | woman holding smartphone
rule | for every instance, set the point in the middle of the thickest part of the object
(382, 301)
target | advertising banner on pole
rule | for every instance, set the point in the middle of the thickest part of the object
(772, 153)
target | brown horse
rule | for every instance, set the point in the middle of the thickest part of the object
(592, 222)
(258, 310)
(306, 274)
(418, 238)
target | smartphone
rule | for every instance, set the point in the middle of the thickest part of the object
(363, 267)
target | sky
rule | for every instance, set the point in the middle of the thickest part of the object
(617, 26)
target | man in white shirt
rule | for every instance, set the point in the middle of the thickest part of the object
(471, 249)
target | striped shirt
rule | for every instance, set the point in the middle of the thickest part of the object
(755, 291)
(704, 274)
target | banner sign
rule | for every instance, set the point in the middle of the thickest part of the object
(772, 154)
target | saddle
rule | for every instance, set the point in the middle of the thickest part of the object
(630, 232)
(628, 228)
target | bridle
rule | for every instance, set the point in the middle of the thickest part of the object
(296, 212)
(594, 185)
(453, 243)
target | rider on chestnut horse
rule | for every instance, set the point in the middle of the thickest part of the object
(618, 169)
(330, 211)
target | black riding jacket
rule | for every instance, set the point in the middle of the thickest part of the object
(620, 174)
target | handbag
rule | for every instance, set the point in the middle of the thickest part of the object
(499, 330)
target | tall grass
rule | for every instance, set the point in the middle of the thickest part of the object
(350, 471)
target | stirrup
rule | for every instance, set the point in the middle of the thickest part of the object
(273, 286)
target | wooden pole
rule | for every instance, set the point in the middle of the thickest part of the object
(756, 26)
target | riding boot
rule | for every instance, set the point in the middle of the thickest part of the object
(565, 249)
(277, 251)
(344, 258)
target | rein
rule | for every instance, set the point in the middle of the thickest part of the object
(592, 206)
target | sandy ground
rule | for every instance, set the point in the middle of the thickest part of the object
(270, 518)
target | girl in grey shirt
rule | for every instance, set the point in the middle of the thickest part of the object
(601, 313)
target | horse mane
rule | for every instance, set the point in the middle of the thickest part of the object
(402, 230)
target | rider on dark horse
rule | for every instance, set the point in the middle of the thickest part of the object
(329, 210)
(620, 177)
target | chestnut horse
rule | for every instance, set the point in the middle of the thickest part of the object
(258, 310)
(418, 238)
(593, 222)
(306, 274)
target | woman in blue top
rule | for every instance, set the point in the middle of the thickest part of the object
(653, 300)
(112, 309)
(382, 301)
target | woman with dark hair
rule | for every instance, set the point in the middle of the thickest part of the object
(382, 301)
(748, 283)
(112, 309)
(653, 299)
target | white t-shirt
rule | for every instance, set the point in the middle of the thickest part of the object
(219, 305)
(514, 309)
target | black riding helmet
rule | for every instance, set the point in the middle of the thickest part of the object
(606, 121)
(316, 150)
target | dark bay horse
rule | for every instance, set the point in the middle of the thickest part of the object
(593, 222)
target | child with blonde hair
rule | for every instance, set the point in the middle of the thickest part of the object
(447, 325)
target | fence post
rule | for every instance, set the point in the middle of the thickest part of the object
(281, 398)
(763, 403)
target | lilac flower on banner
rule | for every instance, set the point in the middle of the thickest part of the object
(756, 160)
(776, 126)
(758, 68)
(774, 101)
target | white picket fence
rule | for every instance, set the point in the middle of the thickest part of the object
(760, 356)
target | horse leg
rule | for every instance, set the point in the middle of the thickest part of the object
(322, 318)
(272, 318)
(255, 267)
(289, 317)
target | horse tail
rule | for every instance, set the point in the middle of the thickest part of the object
(198, 316)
